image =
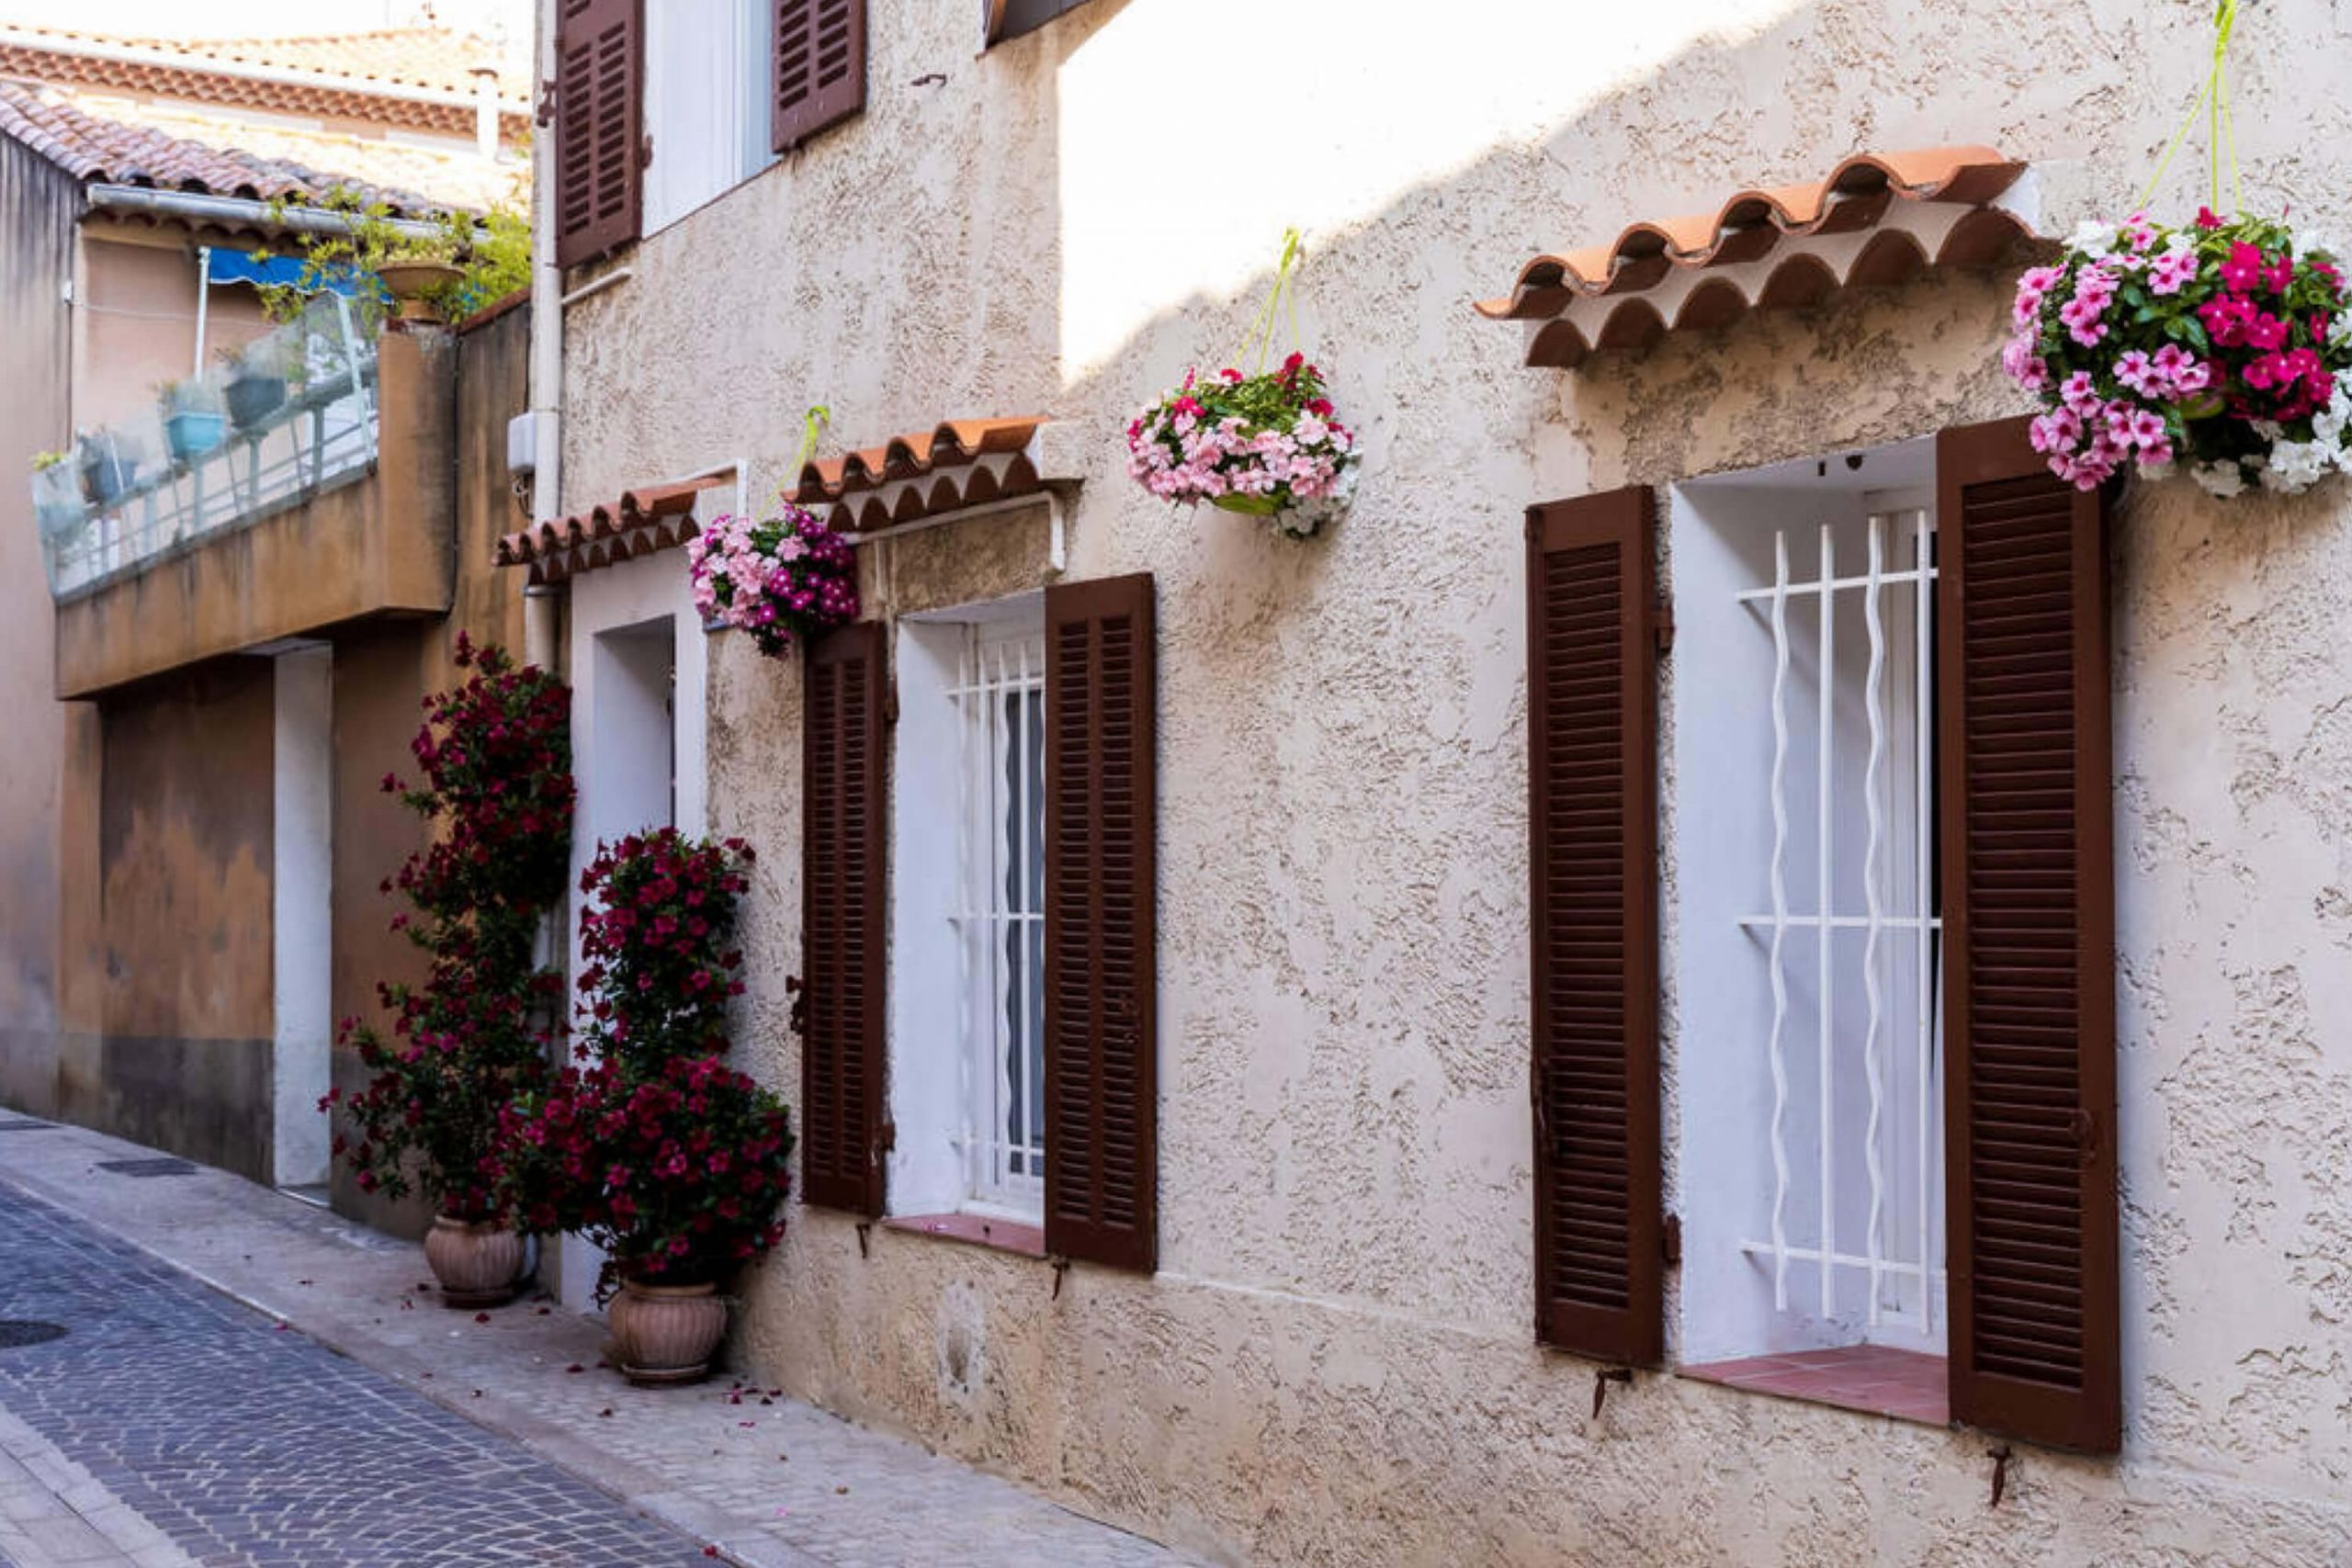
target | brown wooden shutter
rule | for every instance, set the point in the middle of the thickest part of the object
(842, 892)
(1102, 1076)
(1592, 755)
(820, 67)
(599, 98)
(1008, 19)
(2029, 911)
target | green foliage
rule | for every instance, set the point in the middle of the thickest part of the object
(492, 255)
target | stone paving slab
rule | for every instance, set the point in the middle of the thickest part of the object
(184, 1411)
(777, 1484)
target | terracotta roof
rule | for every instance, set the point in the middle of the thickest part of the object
(655, 517)
(961, 463)
(1875, 218)
(112, 149)
(375, 77)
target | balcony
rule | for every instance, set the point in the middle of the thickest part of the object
(306, 483)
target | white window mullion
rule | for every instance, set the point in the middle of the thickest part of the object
(1775, 1049)
(1873, 783)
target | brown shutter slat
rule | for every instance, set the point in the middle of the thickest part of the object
(1592, 703)
(2028, 909)
(819, 67)
(599, 94)
(1102, 1076)
(842, 893)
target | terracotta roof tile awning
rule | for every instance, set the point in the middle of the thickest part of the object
(657, 517)
(959, 463)
(1876, 218)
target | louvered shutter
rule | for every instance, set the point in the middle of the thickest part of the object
(842, 892)
(820, 67)
(2029, 910)
(1101, 1080)
(1008, 19)
(599, 97)
(1592, 689)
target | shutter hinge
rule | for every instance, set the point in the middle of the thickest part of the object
(1669, 1241)
(1662, 626)
(888, 1138)
(890, 702)
(545, 114)
(645, 151)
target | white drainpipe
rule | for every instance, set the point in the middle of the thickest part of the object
(547, 359)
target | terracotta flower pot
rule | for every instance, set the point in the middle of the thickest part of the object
(478, 1263)
(666, 1333)
(410, 282)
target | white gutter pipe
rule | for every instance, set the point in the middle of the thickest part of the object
(197, 206)
(539, 623)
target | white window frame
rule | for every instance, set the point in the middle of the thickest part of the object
(961, 821)
(1811, 1134)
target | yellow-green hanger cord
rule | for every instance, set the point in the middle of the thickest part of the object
(2213, 101)
(1261, 330)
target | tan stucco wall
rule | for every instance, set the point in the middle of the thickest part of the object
(138, 319)
(1334, 1365)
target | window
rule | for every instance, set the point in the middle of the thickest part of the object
(1811, 1072)
(707, 85)
(968, 1088)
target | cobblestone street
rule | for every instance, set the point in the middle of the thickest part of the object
(247, 1382)
(235, 1442)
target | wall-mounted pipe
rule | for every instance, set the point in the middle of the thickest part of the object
(200, 207)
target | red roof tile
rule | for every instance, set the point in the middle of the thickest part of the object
(655, 517)
(375, 77)
(961, 463)
(101, 147)
(1875, 218)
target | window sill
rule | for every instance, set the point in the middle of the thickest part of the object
(1870, 1379)
(973, 1230)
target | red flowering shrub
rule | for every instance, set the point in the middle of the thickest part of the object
(658, 1152)
(496, 788)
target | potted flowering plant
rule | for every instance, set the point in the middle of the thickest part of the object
(57, 496)
(497, 791)
(2222, 347)
(1264, 445)
(672, 1162)
(780, 578)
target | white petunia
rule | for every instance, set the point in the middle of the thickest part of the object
(2092, 239)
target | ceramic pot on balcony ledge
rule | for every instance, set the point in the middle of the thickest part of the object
(666, 1334)
(479, 1262)
(412, 283)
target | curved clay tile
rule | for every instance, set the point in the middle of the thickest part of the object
(1751, 221)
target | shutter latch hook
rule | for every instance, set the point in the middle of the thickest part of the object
(864, 1238)
(2001, 1458)
(1061, 1266)
(1600, 1381)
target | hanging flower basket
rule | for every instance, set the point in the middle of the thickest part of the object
(780, 578)
(1262, 445)
(2224, 346)
(1265, 445)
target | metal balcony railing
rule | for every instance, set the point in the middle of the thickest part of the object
(288, 416)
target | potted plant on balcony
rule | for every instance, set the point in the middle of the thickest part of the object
(109, 466)
(57, 501)
(257, 385)
(656, 1151)
(476, 1032)
(193, 423)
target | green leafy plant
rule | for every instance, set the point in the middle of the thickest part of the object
(492, 253)
(674, 1163)
(477, 1034)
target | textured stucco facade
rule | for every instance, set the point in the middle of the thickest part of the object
(1334, 1363)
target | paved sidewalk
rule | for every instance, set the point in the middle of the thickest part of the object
(770, 1485)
